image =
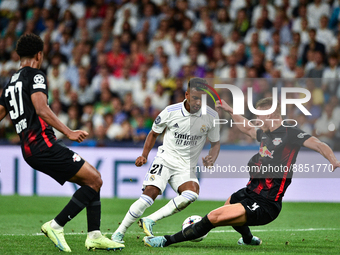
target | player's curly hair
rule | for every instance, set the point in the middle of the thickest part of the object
(197, 83)
(28, 45)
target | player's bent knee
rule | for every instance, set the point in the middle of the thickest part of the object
(227, 202)
(213, 217)
(96, 183)
(234, 215)
(190, 185)
(219, 215)
(93, 177)
(186, 198)
(99, 182)
(151, 191)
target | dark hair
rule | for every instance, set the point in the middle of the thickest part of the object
(312, 30)
(276, 32)
(28, 45)
(197, 83)
(333, 55)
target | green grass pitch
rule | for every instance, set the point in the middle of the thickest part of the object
(301, 228)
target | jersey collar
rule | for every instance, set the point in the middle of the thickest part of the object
(275, 130)
(186, 113)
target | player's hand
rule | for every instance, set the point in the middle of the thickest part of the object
(140, 161)
(336, 165)
(208, 161)
(77, 135)
(223, 106)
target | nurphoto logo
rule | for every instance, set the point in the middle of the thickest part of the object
(238, 100)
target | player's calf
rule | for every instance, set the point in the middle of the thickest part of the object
(228, 215)
(192, 232)
(175, 205)
(135, 211)
(186, 198)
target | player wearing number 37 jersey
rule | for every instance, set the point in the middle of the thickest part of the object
(35, 134)
(25, 99)
(186, 130)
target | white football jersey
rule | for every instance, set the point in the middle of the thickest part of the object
(185, 135)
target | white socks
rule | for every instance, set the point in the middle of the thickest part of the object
(95, 234)
(174, 205)
(136, 210)
(55, 225)
(92, 235)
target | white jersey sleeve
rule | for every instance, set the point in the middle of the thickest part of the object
(214, 134)
(161, 122)
(214, 131)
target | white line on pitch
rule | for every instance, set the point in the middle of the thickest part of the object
(213, 231)
(277, 230)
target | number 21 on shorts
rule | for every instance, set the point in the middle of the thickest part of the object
(156, 169)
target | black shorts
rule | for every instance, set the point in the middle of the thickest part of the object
(58, 161)
(260, 211)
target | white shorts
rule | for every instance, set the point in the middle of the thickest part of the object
(159, 175)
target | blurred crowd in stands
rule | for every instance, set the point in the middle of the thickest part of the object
(113, 65)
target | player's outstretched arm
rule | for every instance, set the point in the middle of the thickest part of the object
(315, 144)
(245, 128)
(39, 100)
(148, 145)
(3, 112)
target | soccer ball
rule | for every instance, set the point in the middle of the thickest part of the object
(191, 220)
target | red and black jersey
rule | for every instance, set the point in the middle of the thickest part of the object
(274, 161)
(35, 134)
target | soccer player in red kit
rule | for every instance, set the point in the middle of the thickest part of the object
(260, 202)
(25, 99)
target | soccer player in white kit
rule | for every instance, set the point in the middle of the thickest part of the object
(186, 130)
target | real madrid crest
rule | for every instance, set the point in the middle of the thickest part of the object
(203, 129)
